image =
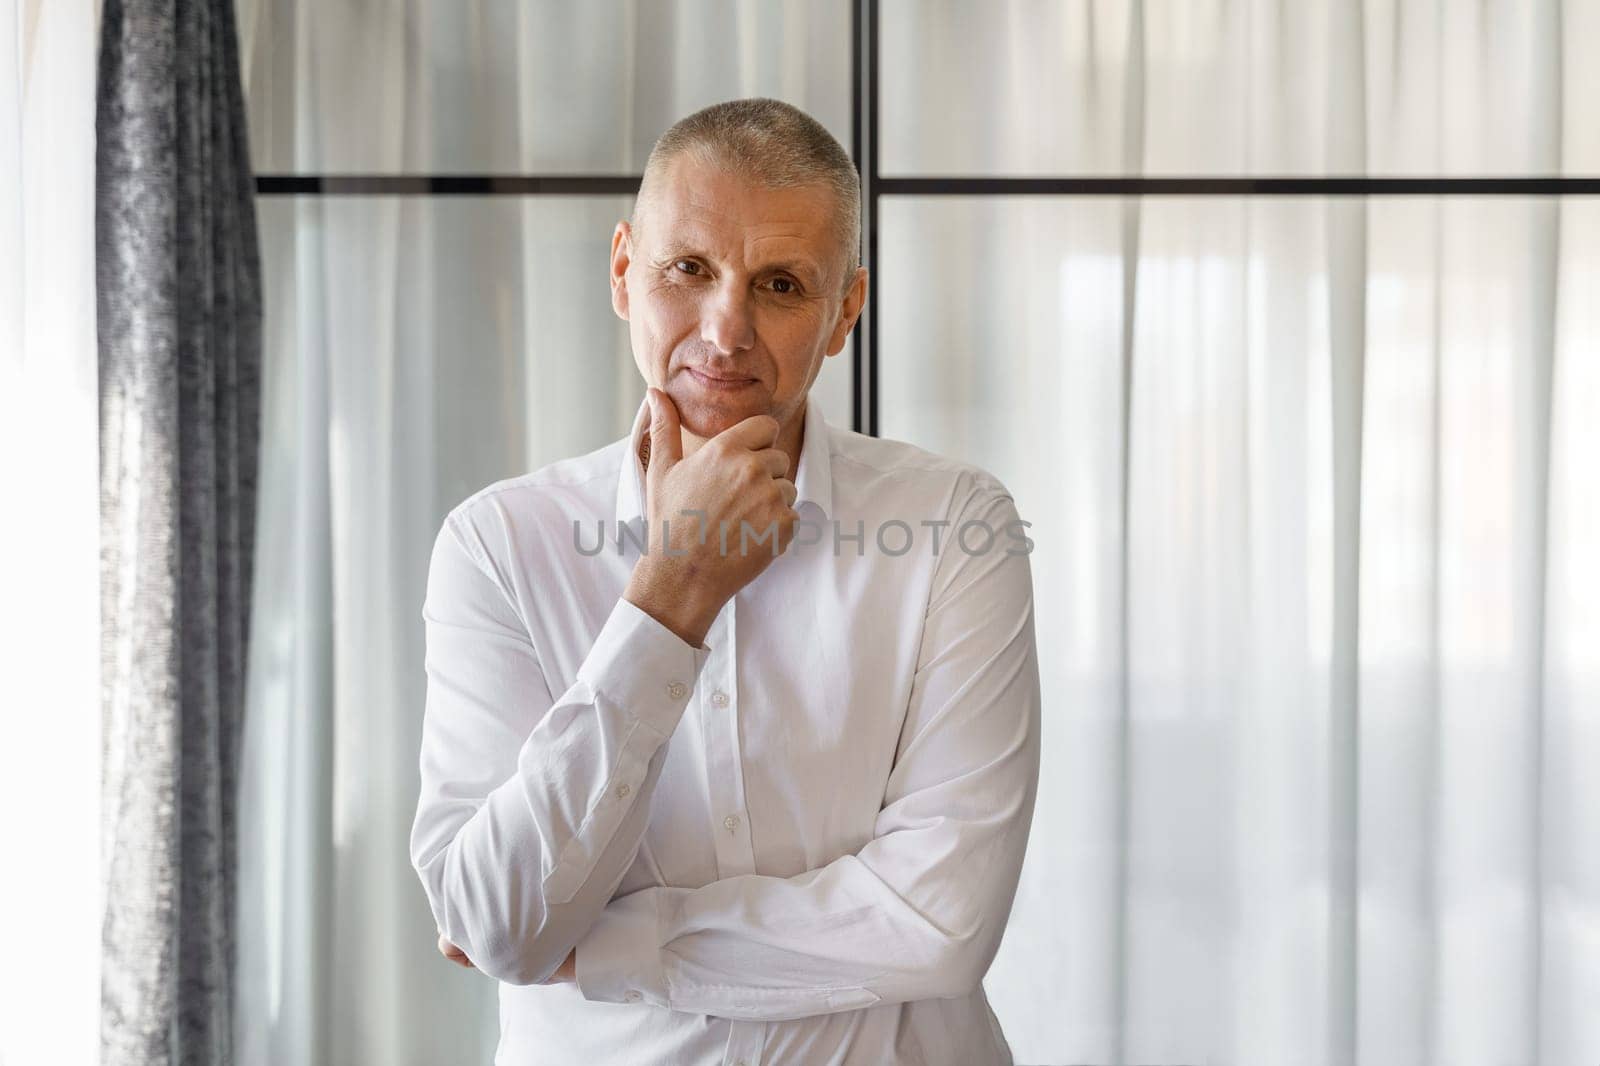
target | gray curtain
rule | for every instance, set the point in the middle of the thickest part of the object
(180, 356)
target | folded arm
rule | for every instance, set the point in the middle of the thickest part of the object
(532, 806)
(919, 911)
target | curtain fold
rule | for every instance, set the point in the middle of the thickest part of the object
(179, 313)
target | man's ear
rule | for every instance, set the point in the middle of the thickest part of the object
(621, 256)
(855, 301)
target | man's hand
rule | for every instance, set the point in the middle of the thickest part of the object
(453, 953)
(567, 971)
(737, 478)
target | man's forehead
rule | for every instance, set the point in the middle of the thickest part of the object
(699, 208)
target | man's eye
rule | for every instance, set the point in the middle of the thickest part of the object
(788, 286)
(687, 266)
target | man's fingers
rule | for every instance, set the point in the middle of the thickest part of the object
(666, 435)
(789, 491)
(776, 461)
(758, 432)
(453, 953)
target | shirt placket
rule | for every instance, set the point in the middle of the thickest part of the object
(718, 693)
(718, 699)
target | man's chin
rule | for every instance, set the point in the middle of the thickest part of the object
(705, 419)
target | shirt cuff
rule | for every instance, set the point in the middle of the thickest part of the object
(619, 958)
(643, 666)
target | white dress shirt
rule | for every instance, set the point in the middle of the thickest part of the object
(796, 844)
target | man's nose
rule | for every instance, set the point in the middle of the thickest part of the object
(726, 320)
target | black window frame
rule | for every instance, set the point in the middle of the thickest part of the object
(864, 107)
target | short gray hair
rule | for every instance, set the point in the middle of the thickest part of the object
(772, 144)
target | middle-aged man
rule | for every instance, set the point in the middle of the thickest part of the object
(732, 729)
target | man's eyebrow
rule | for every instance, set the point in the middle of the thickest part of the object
(802, 267)
(673, 249)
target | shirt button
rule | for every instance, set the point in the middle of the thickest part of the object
(623, 790)
(677, 690)
(731, 821)
(632, 996)
(720, 698)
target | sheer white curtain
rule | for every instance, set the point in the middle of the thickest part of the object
(50, 537)
(418, 348)
(1310, 481)
(1315, 544)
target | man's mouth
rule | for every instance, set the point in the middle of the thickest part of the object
(715, 382)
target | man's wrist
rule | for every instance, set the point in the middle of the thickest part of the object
(673, 602)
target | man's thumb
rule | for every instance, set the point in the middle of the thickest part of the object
(666, 437)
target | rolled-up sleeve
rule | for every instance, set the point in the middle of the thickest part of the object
(919, 911)
(532, 805)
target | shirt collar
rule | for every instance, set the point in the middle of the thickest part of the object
(813, 481)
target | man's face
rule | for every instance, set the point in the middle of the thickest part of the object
(732, 294)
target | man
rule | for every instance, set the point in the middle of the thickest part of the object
(731, 738)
